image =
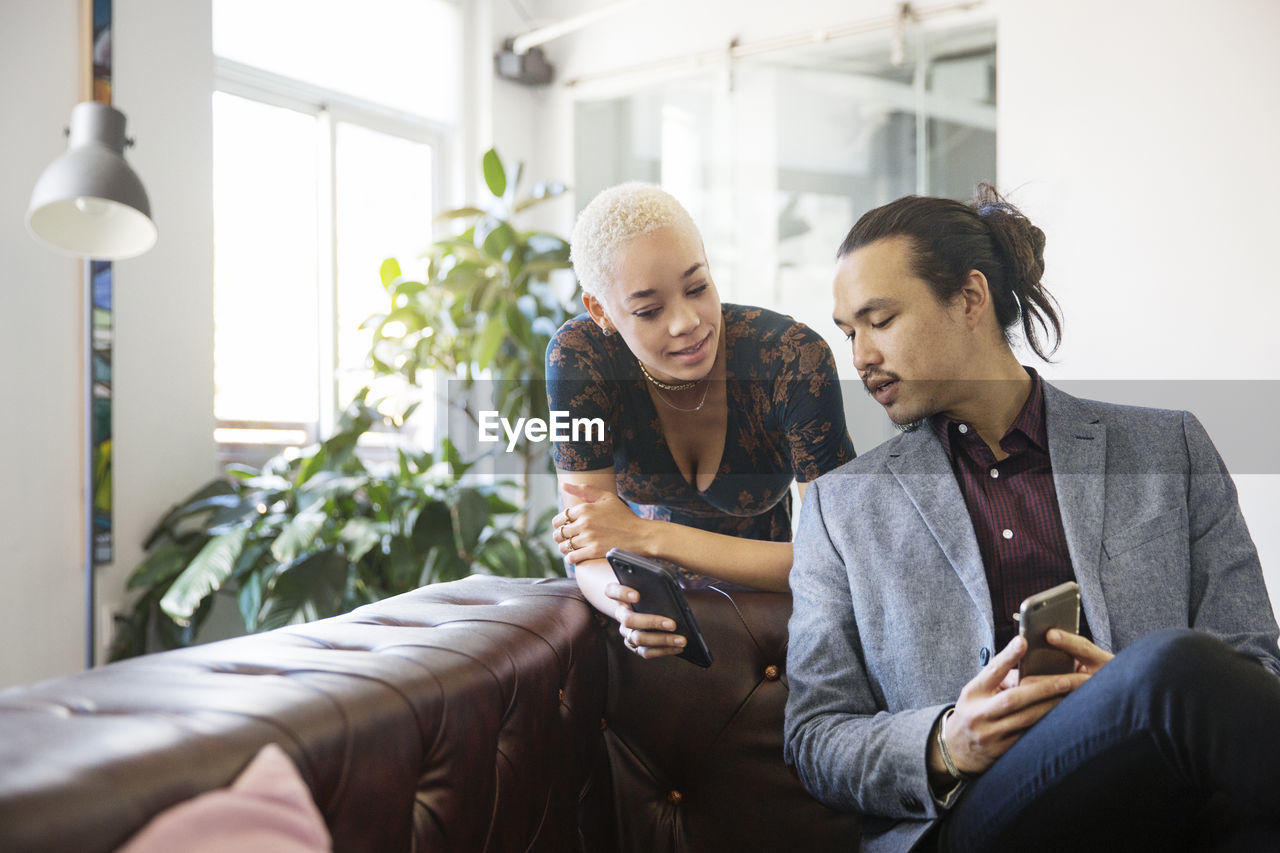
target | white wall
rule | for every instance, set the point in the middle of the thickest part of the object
(1142, 137)
(163, 361)
(164, 299)
(41, 347)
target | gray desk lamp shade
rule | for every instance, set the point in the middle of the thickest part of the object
(89, 202)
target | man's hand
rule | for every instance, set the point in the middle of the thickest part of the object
(993, 711)
(1089, 658)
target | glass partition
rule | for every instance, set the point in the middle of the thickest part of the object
(778, 155)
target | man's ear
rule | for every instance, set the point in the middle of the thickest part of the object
(976, 296)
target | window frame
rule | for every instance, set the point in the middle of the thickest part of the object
(329, 108)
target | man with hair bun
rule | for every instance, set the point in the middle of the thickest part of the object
(911, 562)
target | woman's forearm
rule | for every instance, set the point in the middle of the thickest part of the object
(592, 577)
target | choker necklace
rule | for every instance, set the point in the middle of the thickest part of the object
(679, 386)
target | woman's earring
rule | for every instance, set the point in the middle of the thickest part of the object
(607, 331)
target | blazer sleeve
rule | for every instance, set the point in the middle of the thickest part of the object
(1228, 593)
(849, 752)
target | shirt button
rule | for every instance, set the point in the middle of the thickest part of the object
(964, 428)
(1007, 533)
(984, 655)
(994, 474)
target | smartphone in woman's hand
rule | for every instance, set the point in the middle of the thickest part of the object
(660, 594)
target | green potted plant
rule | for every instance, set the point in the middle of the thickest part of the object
(319, 532)
(484, 311)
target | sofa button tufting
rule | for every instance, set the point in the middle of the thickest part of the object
(604, 724)
(675, 798)
(562, 696)
(771, 672)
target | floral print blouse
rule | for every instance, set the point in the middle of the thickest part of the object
(786, 420)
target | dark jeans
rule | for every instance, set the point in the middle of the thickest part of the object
(1173, 745)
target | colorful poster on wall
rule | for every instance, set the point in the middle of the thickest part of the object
(101, 331)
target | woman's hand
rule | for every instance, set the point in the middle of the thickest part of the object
(647, 635)
(587, 530)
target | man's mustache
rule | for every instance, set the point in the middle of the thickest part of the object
(872, 379)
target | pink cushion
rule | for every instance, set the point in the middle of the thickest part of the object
(268, 808)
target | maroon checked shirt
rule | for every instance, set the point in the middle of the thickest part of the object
(1014, 508)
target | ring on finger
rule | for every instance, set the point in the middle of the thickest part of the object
(571, 545)
(562, 527)
(629, 640)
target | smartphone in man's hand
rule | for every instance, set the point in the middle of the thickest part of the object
(1054, 608)
(660, 594)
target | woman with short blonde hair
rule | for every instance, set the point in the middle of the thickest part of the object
(713, 410)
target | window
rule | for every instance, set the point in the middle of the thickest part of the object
(332, 126)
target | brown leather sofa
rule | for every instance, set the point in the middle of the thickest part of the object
(489, 714)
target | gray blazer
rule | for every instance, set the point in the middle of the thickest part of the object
(892, 614)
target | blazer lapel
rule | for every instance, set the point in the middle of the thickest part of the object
(925, 474)
(1078, 452)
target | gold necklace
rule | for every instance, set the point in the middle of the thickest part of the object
(679, 386)
(697, 408)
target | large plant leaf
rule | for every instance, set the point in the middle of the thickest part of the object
(433, 527)
(403, 568)
(164, 563)
(249, 600)
(495, 332)
(328, 485)
(457, 464)
(174, 634)
(299, 533)
(267, 483)
(389, 272)
(543, 246)
(131, 629)
(495, 176)
(444, 564)
(359, 535)
(470, 510)
(206, 573)
(458, 213)
(500, 557)
(202, 499)
(312, 588)
(404, 291)
(496, 239)
(518, 325)
(251, 559)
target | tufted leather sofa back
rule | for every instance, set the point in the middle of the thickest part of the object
(488, 714)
